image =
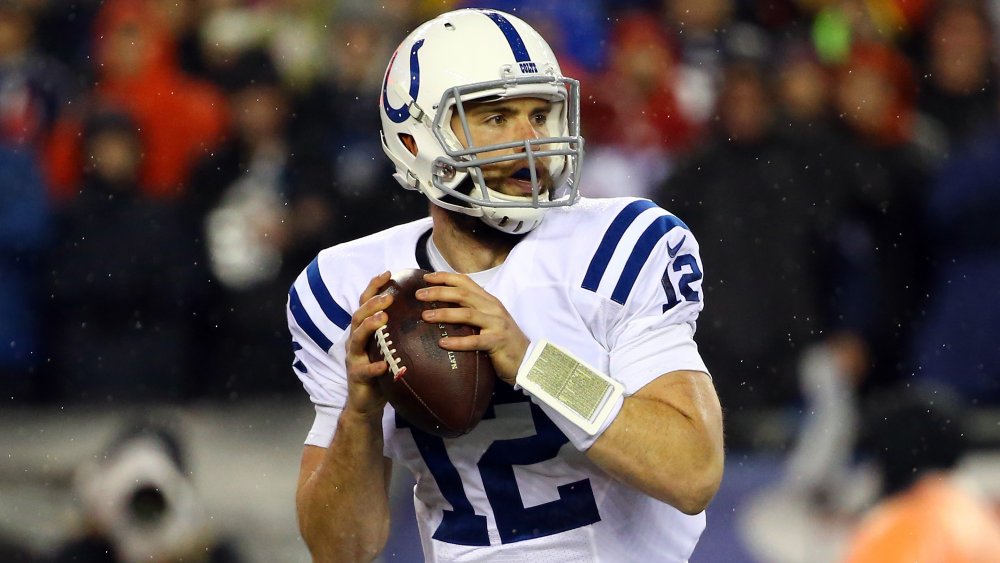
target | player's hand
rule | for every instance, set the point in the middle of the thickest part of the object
(363, 394)
(499, 335)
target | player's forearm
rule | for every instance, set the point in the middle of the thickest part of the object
(671, 452)
(343, 506)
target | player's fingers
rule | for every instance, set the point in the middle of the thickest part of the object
(489, 342)
(358, 342)
(450, 278)
(492, 332)
(486, 323)
(456, 315)
(373, 287)
(370, 307)
(467, 296)
(462, 285)
(370, 302)
(464, 343)
(370, 370)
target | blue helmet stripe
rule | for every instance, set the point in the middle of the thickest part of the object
(331, 309)
(513, 37)
(614, 234)
(302, 319)
(643, 247)
(403, 113)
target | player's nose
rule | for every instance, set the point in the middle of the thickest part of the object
(526, 130)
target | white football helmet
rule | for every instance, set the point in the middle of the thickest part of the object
(481, 55)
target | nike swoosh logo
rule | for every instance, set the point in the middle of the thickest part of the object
(673, 250)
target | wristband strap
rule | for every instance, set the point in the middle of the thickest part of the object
(581, 395)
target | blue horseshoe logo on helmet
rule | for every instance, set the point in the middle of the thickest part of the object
(403, 113)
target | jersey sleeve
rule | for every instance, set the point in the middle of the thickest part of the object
(650, 275)
(655, 332)
(318, 325)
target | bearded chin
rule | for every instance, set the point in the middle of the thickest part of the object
(475, 227)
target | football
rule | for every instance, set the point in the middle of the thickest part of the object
(442, 392)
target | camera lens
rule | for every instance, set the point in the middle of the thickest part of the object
(147, 506)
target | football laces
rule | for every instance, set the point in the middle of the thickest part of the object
(389, 353)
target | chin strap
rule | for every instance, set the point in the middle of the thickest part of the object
(510, 220)
(513, 220)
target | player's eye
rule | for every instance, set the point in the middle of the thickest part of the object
(540, 118)
(496, 119)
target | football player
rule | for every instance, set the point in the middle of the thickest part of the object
(478, 117)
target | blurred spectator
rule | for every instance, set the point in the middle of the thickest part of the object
(927, 514)
(890, 159)
(957, 346)
(768, 205)
(708, 36)
(292, 33)
(33, 87)
(260, 227)
(875, 95)
(138, 503)
(24, 234)
(636, 125)
(958, 88)
(876, 271)
(335, 133)
(124, 281)
(841, 24)
(180, 118)
(803, 92)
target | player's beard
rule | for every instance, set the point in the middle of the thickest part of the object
(474, 227)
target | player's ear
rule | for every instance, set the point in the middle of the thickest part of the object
(409, 142)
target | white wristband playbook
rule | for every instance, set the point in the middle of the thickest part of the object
(559, 380)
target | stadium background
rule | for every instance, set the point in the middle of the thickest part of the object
(166, 168)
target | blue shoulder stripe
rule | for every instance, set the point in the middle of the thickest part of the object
(614, 234)
(331, 309)
(643, 248)
(302, 318)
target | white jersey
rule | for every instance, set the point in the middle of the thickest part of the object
(615, 281)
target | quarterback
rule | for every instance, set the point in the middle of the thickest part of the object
(478, 117)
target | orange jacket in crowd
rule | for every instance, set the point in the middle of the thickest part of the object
(180, 118)
(935, 521)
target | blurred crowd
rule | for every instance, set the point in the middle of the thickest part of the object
(168, 167)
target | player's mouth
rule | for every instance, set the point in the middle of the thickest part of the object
(520, 181)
